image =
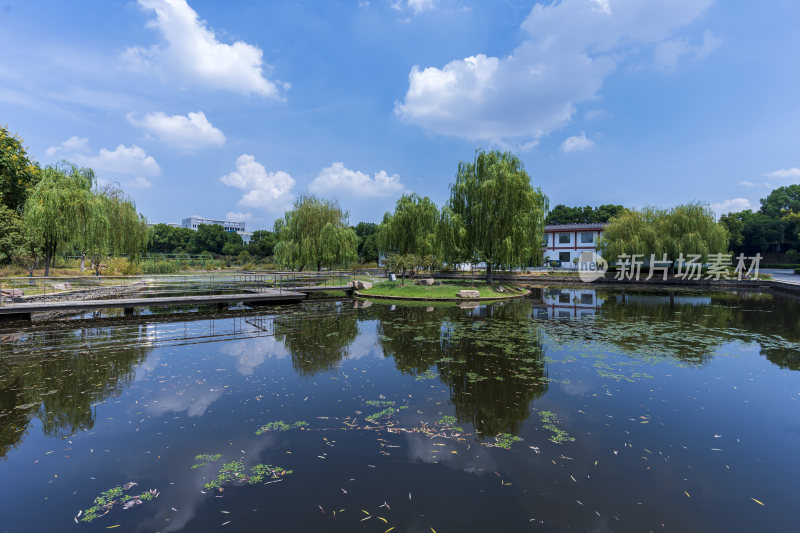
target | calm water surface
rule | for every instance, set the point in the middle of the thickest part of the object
(575, 411)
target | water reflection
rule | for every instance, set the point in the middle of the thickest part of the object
(60, 390)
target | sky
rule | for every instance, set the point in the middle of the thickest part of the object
(234, 109)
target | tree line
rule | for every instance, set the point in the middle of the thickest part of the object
(774, 228)
(45, 210)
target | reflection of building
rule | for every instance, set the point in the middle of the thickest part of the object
(565, 242)
(233, 227)
(569, 303)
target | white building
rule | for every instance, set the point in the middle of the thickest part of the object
(565, 242)
(233, 227)
(569, 303)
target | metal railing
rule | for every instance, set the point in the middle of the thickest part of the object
(21, 289)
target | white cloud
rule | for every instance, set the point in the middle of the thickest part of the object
(238, 216)
(128, 161)
(185, 132)
(71, 146)
(266, 190)
(571, 47)
(576, 143)
(341, 181)
(731, 206)
(421, 5)
(129, 165)
(669, 53)
(792, 173)
(191, 53)
(784, 173)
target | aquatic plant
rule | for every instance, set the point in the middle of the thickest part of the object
(379, 403)
(280, 425)
(204, 459)
(549, 420)
(505, 440)
(113, 496)
(236, 473)
(449, 422)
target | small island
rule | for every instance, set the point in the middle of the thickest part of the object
(444, 290)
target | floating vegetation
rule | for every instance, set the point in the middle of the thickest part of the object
(389, 411)
(449, 422)
(379, 403)
(113, 496)
(280, 425)
(428, 374)
(204, 459)
(235, 473)
(549, 421)
(505, 440)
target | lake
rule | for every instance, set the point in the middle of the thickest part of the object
(574, 410)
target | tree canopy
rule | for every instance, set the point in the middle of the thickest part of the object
(315, 233)
(411, 229)
(18, 174)
(65, 208)
(497, 215)
(561, 214)
(688, 229)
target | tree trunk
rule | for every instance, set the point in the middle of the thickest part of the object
(488, 273)
(83, 262)
(403, 276)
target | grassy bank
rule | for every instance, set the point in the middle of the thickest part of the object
(448, 289)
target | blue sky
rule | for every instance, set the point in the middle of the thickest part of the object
(232, 109)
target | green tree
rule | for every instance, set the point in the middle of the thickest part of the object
(410, 231)
(208, 238)
(781, 201)
(18, 174)
(53, 209)
(315, 233)
(688, 229)
(562, 214)
(501, 213)
(11, 235)
(262, 243)
(367, 244)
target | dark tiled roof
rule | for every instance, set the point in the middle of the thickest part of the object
(569, 227)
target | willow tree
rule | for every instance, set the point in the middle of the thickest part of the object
(55, 207)
(411, 229)
(499, 214)
(687, 229)
(315, 233)
(65, 207)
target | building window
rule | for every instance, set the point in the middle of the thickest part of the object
(563, 238)
(564, 257)
(587, 299)
(564, 298)
(587, 237)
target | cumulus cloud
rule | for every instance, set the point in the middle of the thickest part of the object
(576, 143)
(262, 189)
(669, 53)
(184, 132)
(784, 173)
(190, 52)
(250, 353)
(731, 206)
(571, 47)
(338, 180)
(129, 165)
(71, 146)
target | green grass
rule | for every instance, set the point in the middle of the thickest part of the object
(448, 289)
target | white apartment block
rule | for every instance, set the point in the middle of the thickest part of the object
(234, 227)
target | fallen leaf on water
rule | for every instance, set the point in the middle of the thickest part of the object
(687, 494)
(757, 501)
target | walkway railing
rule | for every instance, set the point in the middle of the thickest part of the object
(21, 289)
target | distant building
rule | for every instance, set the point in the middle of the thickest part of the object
(233, 227)
(565, 242)
(569, 303)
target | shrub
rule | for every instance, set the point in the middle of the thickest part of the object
(249, 266)
(120, 266)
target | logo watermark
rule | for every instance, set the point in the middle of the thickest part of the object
(592, 266)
